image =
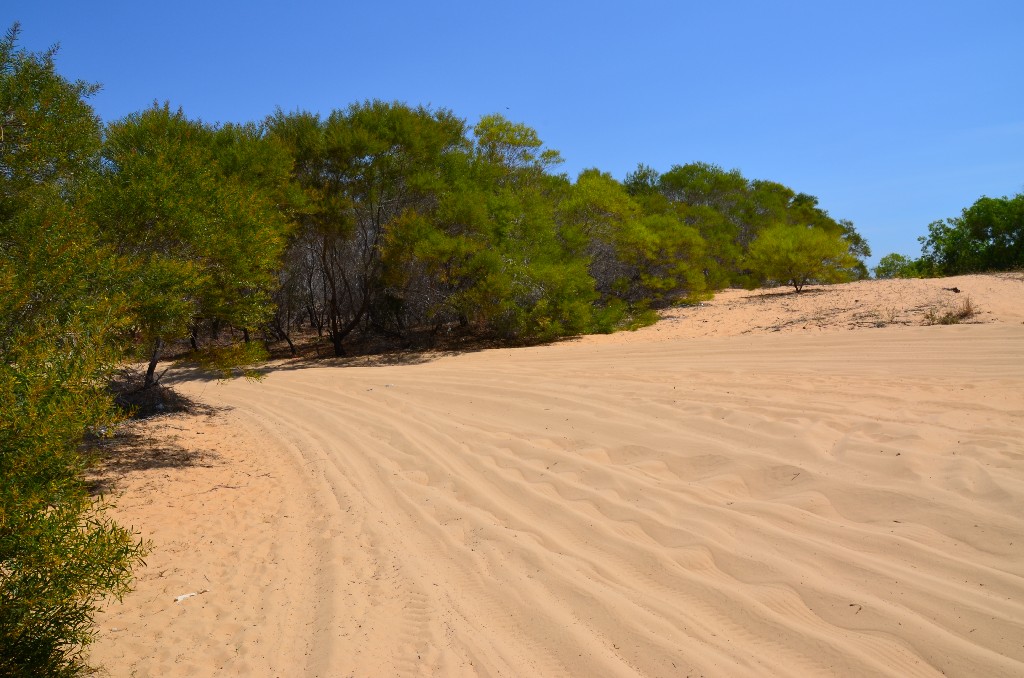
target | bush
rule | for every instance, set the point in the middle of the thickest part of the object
(59, 554)
(951, 316)
(798, 255)
(987, 236)
(61, 315)
(895, 266)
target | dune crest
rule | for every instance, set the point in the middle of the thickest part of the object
(741, 489)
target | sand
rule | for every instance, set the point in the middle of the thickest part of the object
(764, 485)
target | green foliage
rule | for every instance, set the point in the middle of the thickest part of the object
(798, 255)
(987, 236)
(63, 309)
(534, 286)
(372, 175)
(663, 257)
(895, 266)
(858, 248)
(701, 183)
(199, 209)
(231, 359)
(998, 223)
(949, 249)
(512, 146)
(50, 134)
(501, 245)
(642, 260)
(729, 212)
(642, 181)
(411, 221)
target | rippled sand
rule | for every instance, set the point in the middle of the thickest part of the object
(764, 485)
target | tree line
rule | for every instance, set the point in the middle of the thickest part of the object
(383, 219)
(380, 219)
(409, 219)
(987, 236)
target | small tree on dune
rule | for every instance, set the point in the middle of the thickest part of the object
(798, 255)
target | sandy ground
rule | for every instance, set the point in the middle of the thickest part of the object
(765, 485)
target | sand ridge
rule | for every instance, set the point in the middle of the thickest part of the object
(736, 497)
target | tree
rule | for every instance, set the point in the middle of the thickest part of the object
(512, 146)
(641, 259)
(858, 248)
(529, 282)
(894, 266)
(369, 172)
(199, 209)
(50, 135)
(998, 223)
(730, 212)
(642, 181)
(410, 223)
(63, 311)
(987, 236)
(803, 210)
(798, 255)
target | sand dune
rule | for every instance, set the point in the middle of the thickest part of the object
(769, 492)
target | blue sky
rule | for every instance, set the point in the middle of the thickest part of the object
(893, 113)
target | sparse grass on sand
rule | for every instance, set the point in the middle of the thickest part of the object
(954, 315)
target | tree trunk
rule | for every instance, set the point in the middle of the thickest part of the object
(283, 334)
(154, 359)
(339, 350)
(314, 322)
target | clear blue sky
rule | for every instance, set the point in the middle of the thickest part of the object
(893, 113)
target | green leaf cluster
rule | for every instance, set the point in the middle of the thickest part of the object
(895, 266)
(410, 220)
(202, 213)
(797, 255)
(63, 311)
(987, 236)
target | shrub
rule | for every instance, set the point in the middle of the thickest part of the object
(895, 266)
(951, 316)
(798, 255)
(61, 315)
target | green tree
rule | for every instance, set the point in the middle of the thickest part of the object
(63, 311)
(199, 209)
(998, 223)
(410, 223)
(531, 283)
(640, 259)
(987, 236)
(895, 266)
(373, 174)
(49, 133)
(667, 259)
(949, 249)
(642, 181)
(512, 146)
(730, 212)
(798, 255)
(803, 210)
